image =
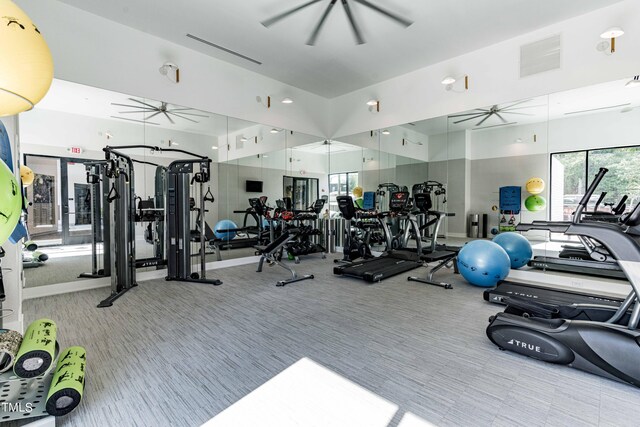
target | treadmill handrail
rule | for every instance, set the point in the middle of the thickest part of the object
(585, 199)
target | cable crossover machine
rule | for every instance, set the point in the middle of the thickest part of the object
(121, 212)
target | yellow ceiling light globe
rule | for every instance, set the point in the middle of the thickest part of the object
(26, 67)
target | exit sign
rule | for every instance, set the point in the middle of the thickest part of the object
(75, 150)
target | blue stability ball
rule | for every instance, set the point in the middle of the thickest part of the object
(225, 224)
(483, 263)
(516, 246)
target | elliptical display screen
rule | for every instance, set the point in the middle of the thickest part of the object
(398, 201)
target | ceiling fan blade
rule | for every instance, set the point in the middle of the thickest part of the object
(184, 109)
(153, 115)
(143, 103)
(479, 111)
(484, 120)
(501, 118)
(352, 21)
(470, 118)
(399, 19)
(130, 106)
(146, 110)
(269, 22)
(182, 117)
(316, 31)
(171, 120)
(514, 104)
(187, 114)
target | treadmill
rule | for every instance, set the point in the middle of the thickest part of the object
(392, 262)
(590, 258)
(583, 305)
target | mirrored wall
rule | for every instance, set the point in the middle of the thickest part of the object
(463, 160)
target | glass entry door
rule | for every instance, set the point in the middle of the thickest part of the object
(76, 203)
(303, 191)
(60, 211)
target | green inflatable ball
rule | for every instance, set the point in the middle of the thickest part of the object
(10, 202)
(535, 203)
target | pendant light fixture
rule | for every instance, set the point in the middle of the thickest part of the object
(26, 69)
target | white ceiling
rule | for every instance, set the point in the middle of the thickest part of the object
(336, 65)
(89, 101)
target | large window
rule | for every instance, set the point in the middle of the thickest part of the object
(341, 184)
(571, 174)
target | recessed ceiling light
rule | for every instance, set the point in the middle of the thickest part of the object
(274, 130)
(264, 156)
(287, 101)
(243, 139)
(372, 102)
(386, 132)
(448, 80)
(213, 147)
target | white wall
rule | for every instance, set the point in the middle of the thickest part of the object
(494, 74)
(94, 51)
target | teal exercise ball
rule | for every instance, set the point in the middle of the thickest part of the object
(517, 247)
(483, 263)
(221, 226)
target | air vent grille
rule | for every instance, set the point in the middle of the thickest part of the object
(540, 56)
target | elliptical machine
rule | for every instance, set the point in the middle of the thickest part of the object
(608, 348)
(352, 248)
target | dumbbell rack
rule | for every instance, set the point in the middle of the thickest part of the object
(26, 393)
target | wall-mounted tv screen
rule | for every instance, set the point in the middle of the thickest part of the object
(253, 186)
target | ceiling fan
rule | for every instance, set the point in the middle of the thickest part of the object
(496, 110)
(345, 4)
(150, 110)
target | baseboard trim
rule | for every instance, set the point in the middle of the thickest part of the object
(85, 285)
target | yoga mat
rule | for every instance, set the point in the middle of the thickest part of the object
(9, 347)
(67, 384)
(37, 349)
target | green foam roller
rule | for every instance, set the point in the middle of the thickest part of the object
(9, 347)
(37, 349)
(67, 384)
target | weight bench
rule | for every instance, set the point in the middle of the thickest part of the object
(272, 253)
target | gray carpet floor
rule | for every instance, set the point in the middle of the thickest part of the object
(176, 354)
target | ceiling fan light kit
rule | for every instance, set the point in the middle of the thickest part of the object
(346, 5)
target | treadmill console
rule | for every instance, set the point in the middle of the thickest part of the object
(398, 201)
(318, 205)
(423, 201)
(346, 206)
(257, 206)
